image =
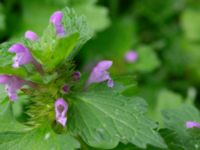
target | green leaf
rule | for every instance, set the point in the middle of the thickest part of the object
(2, 19)
(104, 118)
(109, 43)
(143, 64)
(56, 50)
(38, 139)
(13, 71)
(175, 120)
(60, 51)
(190, 23)
(5, 56)
(37, 19)
(166, 99)
(14, 135)
(8, 122)
(3, 93)
(74, 23)
(6, 62)
(97, 16)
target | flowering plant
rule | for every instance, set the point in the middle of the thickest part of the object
(65, 108)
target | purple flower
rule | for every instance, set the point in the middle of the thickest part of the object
(12, 84)
(76, 76)
(61, 108)
(23, 56)
(100, 73)
(192, 124)
(131, 56)
(30, 35)
(56, 20)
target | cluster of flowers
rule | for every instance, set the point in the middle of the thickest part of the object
(23, 56)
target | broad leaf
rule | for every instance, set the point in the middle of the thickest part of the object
(37, 139)
(14, 135)
(8, 122)
(104, 118)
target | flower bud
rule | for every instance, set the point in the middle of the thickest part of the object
(30, 35)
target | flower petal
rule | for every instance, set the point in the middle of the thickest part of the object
(61, 108)
(192, 124)
(131, 56)
(100, 73)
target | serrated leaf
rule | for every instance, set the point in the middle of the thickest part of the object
(104, 118)
(56, 50)
(175, 120)
(16, 136)
(60, 51)
(37, 19)
(38, 139)
(76, 24)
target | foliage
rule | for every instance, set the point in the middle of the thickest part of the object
(152, 98)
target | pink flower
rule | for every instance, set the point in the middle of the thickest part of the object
(30, 35)
(56, 20)
(131, 56)
(192, 124)
(23, 56)
(100, 73)
(12, 84)
(61, 108)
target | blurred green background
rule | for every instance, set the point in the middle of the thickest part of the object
(165, 34)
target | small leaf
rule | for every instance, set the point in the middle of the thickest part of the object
(60, 52)
(56, 50)
(190, 23)
(143, 64)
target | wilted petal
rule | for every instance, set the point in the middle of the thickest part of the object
(100, 73)
(61, 108)
(31, 35)
(22, 57)
(56, 20)
(192, 124)
(131, 56)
